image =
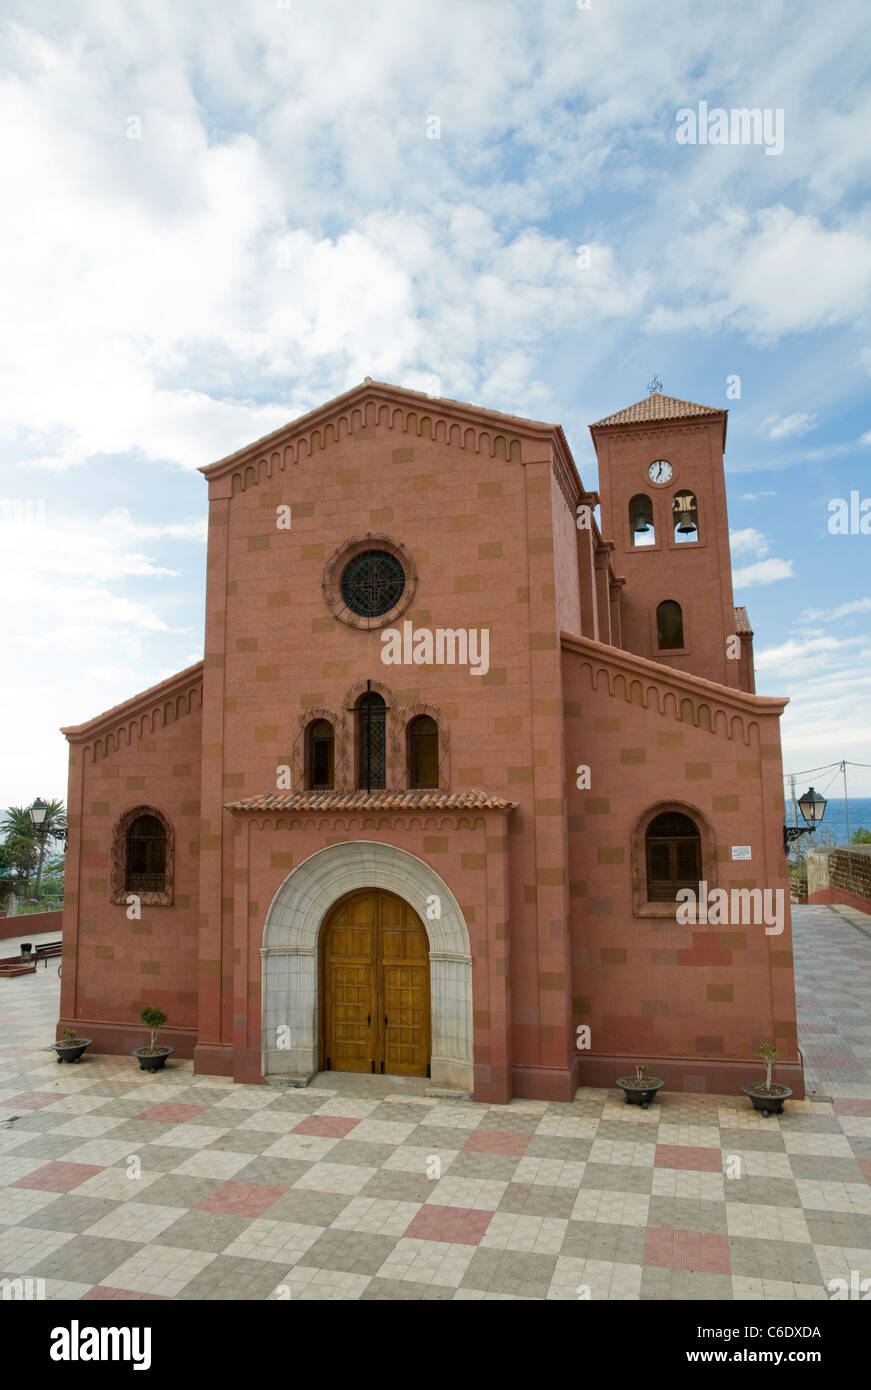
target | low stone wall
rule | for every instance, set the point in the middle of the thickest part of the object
(34, 923)
(840, 876)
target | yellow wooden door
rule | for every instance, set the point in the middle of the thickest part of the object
(350, 994)
(376, 987)
(404, 988)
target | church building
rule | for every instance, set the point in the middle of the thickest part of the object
(470, 784)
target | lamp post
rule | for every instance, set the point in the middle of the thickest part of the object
(38, 812)
(813, 807)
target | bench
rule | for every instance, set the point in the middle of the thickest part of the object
(50, 948)
(26, 965)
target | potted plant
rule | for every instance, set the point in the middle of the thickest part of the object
(767, 1096)
(152, 1057)
(70, 1048)
(641, 1088)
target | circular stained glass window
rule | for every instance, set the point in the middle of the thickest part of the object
(373, 582)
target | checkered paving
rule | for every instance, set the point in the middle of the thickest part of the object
(120, 1184)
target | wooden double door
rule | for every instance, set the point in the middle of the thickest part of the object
(375, 1005)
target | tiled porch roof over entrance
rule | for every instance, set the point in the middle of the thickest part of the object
(474, 800)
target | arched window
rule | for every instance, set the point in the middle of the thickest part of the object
(319, 755)
(669, 625)
(674, 856)
(146, 856)
(685, 517)
(641, 525)
(371, 741)
(422, 735)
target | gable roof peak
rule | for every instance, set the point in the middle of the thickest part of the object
(379, 391)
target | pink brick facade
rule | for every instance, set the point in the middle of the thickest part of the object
(539, 879)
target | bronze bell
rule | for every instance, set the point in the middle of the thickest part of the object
(686, 513)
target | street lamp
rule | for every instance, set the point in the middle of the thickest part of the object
(43, 831)
(38, 812)
(813, 807)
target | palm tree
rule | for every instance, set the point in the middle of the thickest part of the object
(26, 843)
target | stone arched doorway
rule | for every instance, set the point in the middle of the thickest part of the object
(290, 1020)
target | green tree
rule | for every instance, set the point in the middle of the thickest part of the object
(26, 844)
(51, 891)
(18, 858)
(861, 836)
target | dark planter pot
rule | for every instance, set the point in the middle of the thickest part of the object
(639, 1093)
(71, 1051)
(151, 1061)
(769, 1105)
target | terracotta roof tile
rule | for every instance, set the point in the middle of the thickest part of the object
(656, 407)
(742, 622)
(474, 800)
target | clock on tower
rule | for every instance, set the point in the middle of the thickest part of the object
(660, 471)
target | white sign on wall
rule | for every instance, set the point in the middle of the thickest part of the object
(741, 852)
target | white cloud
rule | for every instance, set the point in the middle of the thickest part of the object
(71, 549)
(829, 692)
(786, 426)
(79, 616)
(113, 674)
(202, 287)
(749, 541)
(763, 572)
(766, 273)
(120, 523)
(842, 610)
(792, 653)
(187, 278)
(755, 496)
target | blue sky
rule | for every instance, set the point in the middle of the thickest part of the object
(283, 225)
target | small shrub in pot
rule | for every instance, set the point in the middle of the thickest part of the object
(641, 1088)
(152, 1057)
(70, 1047)
(767, 1095)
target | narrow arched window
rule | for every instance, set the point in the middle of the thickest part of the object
(673, 847)
(641, 526)
(423, 752)
(371, 741)
(669, 625)
(319, 755)
(685, 517)
(146, 856)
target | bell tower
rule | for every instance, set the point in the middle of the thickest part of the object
(663, 496)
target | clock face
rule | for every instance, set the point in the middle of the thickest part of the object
(660, 471)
